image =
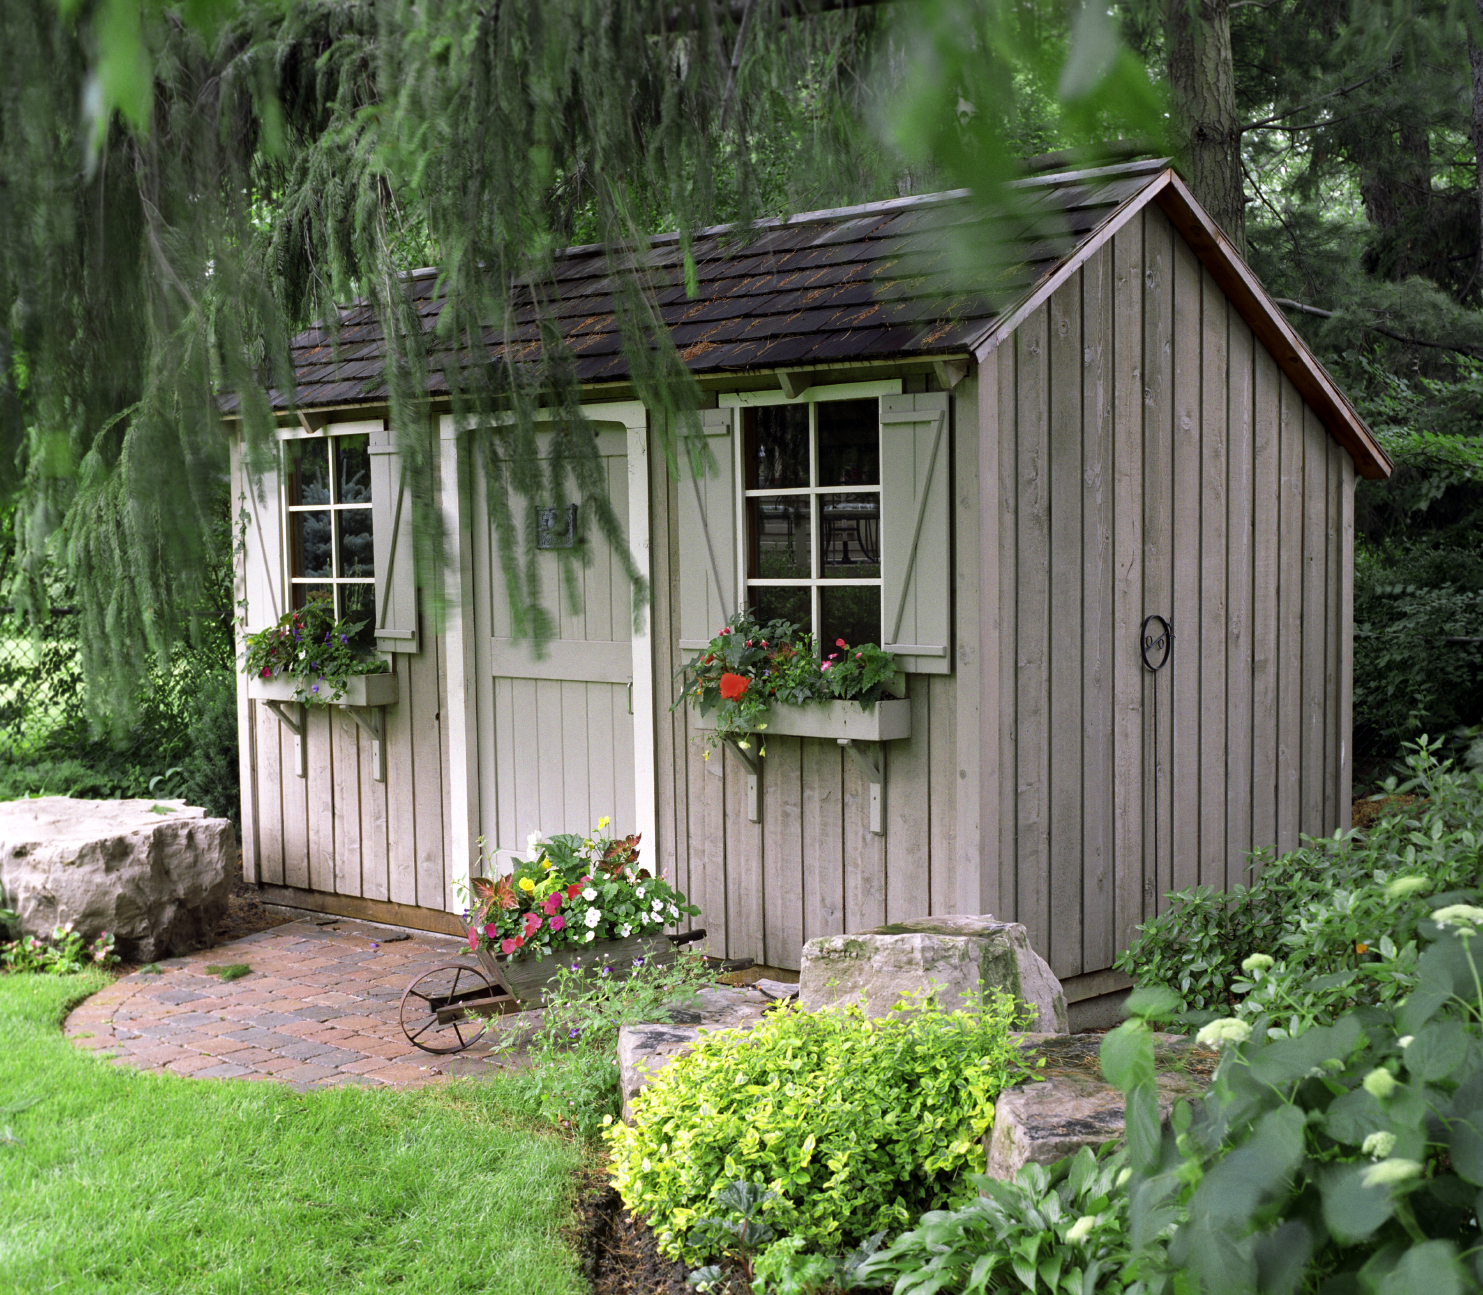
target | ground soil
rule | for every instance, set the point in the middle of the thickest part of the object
(245, 913)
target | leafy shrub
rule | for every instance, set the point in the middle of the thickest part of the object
(67, 953)
(1061, 1229)
(1347, 1158)
(1339, 917)
(856, 1125)
(575, 1081)
(210, 773)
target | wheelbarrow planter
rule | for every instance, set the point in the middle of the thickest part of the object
(446, 1008)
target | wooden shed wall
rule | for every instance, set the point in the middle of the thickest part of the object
(811, 866)
(1154, 460)
(338, 832)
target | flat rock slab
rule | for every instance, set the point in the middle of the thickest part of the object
(158, 881)
(645, 1050)
(951, 954)
(1071, 1106)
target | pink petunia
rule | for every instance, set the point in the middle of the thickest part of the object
(840, 643)
(551, 903)
(532, 923)
(491, 930)
(574, 890)
(558, 922)
(474, 941)
(510, 944)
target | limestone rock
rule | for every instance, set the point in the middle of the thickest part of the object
(1071, 1106)
(953, 953)
(645, 1050)
(158, 881)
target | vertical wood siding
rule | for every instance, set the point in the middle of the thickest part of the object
(812, 866)
(338, 831)
(1159, 463)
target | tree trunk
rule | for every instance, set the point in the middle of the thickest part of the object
(1475, 55)
(1202, 79)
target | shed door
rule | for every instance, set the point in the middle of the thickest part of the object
(562, 739)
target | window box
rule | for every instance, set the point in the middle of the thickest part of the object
(360, 690)
(886, 721)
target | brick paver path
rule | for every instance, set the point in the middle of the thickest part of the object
(319, 1008)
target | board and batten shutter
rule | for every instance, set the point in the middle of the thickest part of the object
(916, 540)
(396, 568)
(707, 511)
(263, 585)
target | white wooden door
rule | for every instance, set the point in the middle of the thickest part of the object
(557, 731)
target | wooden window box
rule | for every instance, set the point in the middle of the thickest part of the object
(366, 697)
(843, 721)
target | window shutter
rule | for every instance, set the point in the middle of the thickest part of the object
(708, 535)
(396, 569)
(916, 539)
(263, 584)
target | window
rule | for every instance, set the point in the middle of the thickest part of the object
(331, 548)
(812, 498)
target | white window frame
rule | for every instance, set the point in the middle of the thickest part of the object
(288, 509)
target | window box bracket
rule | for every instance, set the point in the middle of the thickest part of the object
(871, 759)
(366, 698)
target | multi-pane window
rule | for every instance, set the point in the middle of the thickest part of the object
(331, 555)
(812, 484)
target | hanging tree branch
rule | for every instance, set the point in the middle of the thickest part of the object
(1471, 352)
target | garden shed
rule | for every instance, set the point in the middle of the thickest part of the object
(1003, 496)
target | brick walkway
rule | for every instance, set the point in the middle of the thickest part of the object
(318, 1009)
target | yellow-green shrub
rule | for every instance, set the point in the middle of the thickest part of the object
(857, 1125)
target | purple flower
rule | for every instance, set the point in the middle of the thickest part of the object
(315, 688)
(343, 639)
(574, 1034)
(638, 962)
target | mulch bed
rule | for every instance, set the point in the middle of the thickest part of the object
(618, 1252)
(245, 913)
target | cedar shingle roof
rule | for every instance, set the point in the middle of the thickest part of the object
(860, 283)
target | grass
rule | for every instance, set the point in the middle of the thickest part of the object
(114, 1180)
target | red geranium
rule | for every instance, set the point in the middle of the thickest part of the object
(733, 686)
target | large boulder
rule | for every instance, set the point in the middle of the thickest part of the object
(1067, 1105)
(952, 954)
(154, 873)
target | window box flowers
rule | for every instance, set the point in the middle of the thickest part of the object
(575, 899)
(310, 657)
(772, 680)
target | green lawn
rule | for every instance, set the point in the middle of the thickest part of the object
(116, 1181)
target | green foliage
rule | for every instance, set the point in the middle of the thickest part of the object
(312, 648)
(1340, 916)
(211, 771)
(750, 666)
(230, 971)
(1346, 1154)
(574, 1082)
(66, 954)
(856, 1125)
(1060, 1230)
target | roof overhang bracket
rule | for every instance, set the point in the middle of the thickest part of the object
(794, 382)
(950, 372)
(312, 422)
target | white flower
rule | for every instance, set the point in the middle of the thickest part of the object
(1390, 1171)
(1258, 962)
(1379, 1083)
(1405, 1041)
(589, 894)
(639, 891)
(587, 939)
(1463, 916)
(591, 918)
(1226, 1030)
(625, 930)
(1379, 1145)
(1081, 1229)
(533, 844)
(1403, 886)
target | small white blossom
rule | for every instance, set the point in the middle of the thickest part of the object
(1403, 886)
(1391, 1171)
(1226, 1030)
(589, 894)
(1258, 962)
(1081, 1229)
(1463, 916)
(1405, 1041)
(639, 891)
(1379, 1145)
(625, 930)
(592, 917)
(587, 939)
(1379, 1083)
(533, 844)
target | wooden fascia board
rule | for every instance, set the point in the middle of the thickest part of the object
(988, 341)
(1272, 329)
(1242, 289)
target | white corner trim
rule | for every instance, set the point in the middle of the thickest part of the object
(835, 391)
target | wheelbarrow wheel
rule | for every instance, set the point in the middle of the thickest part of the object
(426, 1016)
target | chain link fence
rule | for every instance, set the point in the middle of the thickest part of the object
(41, 689)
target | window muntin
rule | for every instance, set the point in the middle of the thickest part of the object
(331, 554)
(811, 486)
